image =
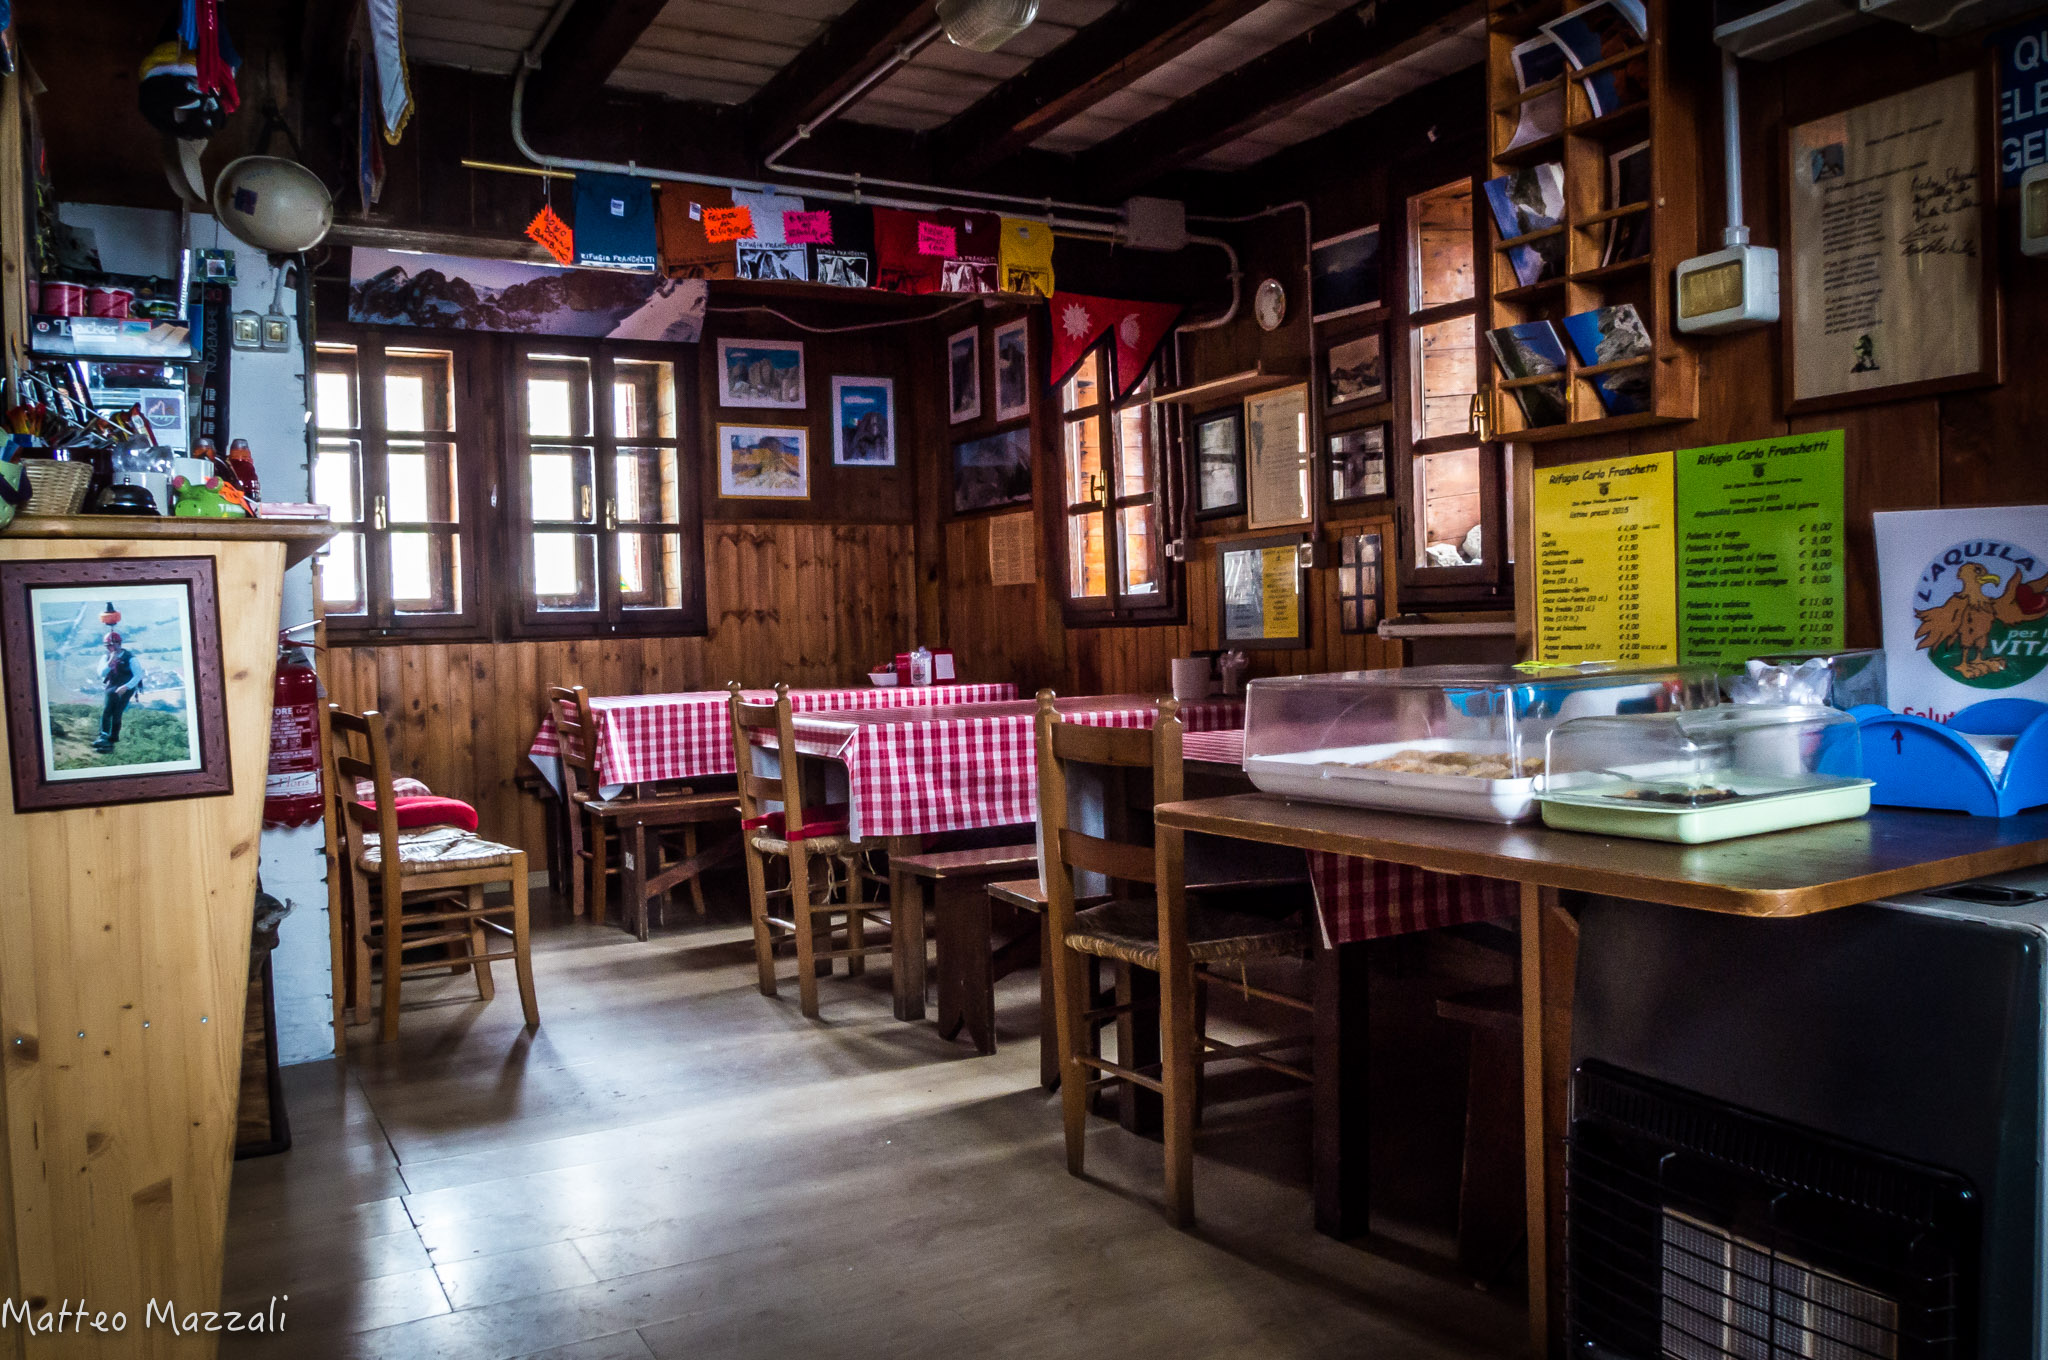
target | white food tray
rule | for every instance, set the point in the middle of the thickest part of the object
(1331, 775)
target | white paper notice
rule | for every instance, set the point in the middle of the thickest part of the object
(1964, 596)
(1887, 242)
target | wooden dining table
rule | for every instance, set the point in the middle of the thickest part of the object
(1788, 873)
(910, 773)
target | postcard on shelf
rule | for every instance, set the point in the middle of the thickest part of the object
(1612, 335)
(1628, 182)
(1530, 200)
(1533, 349)
(1537, 62)
(1593, 33)
(1600, 32)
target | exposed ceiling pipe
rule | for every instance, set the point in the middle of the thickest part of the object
(530, 62)
(901, 56)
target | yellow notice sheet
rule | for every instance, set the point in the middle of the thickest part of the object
(1606, 547)
(1281, 598)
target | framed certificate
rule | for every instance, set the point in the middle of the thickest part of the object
(1277, 457)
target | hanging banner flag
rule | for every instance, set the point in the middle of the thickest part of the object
(1078, 321)
(553, 234)
(768, 254)
(1025, 257)
(976, 240)
(807, 228)
(614, 222)
(846, 259)
(681, 215)
(1140, 330)
(387, 39)
(899, 266)
(722, 226)
(936, 238)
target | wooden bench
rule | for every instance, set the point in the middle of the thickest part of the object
(949, 882)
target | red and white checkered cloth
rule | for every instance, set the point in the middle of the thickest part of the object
(643, 737)
(915, 773)
(1365, 899)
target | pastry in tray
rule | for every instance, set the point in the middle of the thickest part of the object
(1703, 796)
(1470, 764)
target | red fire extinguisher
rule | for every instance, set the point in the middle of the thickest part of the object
(291, 796)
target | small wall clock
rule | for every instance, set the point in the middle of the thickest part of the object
(1269, 305)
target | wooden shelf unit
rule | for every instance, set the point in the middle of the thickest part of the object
(1666, 119)
(1217, 391)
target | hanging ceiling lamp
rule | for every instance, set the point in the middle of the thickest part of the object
(985, 25)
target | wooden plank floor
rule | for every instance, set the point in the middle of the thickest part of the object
(677, 1166)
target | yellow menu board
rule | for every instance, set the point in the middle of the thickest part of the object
(1606, 544)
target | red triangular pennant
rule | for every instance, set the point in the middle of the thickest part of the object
(1078, 321)
(1141, 327)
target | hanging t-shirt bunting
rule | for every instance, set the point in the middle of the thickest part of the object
(614, 222)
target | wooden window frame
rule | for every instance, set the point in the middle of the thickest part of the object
(1487, 584)
(492, 492)
(609, 617)
(380, 620)
(1163, 445)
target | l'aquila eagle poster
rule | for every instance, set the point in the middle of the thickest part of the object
(1965, 604)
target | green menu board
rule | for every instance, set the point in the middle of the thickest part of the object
(1760, 552)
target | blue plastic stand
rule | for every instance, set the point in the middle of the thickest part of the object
(1923, 764)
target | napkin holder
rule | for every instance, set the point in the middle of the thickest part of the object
(1922, 764)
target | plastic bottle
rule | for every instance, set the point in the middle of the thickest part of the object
(242, 463)
(921, 666)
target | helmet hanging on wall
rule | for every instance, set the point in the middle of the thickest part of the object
(273, 204)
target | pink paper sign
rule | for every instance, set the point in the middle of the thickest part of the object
(935, 239)
(807, 228)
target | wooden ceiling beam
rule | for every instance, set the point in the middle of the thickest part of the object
(1327, 57)
(594, 38)
(850, 47)
(1132, 40)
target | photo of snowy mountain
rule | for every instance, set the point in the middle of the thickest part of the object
(402, 288)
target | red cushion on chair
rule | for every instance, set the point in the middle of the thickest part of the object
(829, 820)
(425, 810)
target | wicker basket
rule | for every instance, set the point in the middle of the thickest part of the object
(55, 488)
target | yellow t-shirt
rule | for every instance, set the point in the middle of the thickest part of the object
(1026, 256)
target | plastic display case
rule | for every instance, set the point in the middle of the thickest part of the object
(1453, 741)
(1706, 775)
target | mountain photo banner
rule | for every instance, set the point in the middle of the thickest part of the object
(453, 292)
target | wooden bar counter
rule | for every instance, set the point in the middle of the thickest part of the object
(124, 944)
(1787, 873)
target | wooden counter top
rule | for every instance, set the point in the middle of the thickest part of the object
(1785, 873)
(299, 536)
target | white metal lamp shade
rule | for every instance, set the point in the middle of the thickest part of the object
(985, 25)
(275, 205)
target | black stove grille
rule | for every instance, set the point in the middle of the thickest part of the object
(1699, 1231)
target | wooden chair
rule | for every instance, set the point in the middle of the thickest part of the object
(808, 840)
(636, 817)
(1028, 895)
(1162, 933)
(422, 888)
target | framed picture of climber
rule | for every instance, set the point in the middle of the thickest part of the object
(114, 686)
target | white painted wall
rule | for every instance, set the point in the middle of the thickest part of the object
(267, 407)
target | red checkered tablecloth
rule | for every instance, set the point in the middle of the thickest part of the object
(916, 772)
(644, 737)
(1365, 899)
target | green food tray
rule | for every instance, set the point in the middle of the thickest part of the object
(1837, 800)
